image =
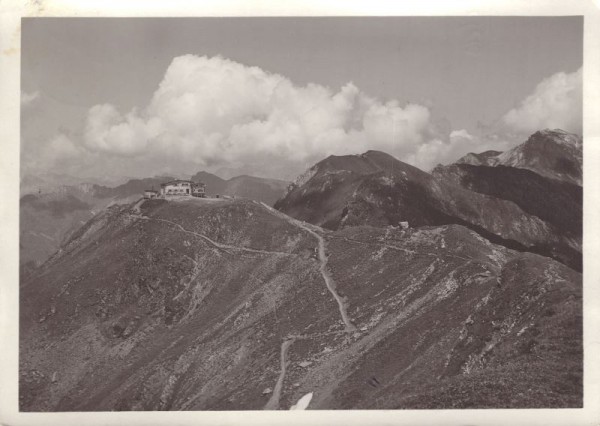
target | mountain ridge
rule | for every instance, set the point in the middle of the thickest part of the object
(328, 297)
(261, 189)
(554, 154)
(535, 186)
(376, 189)
(42, 233)
(213, 295)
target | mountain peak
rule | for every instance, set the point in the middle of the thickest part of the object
(556, 154)
(478, 159)
(367, 163)
(551, 131)
(553, 153)
(560, 137)
(374, 154)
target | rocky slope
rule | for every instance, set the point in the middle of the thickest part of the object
(559, 203)
(531, 176)
(225, 305)
(478, 159)
(555, 202)
(377, 189)
(554, 154)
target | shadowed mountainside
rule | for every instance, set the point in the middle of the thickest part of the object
(376, 189)
(556, 202)
(542, 176)
(223, 305)
(554, 154)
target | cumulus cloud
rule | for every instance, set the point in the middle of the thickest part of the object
(445, 150)
(461, 135)
(214, 111)
(555, 103)
(108, 131)
(29, 99)
(216, 114)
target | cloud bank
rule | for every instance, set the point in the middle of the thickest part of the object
(216, 114)
(214, 111)
(555, 103)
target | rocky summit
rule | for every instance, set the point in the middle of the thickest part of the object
(554, 154)
(212, 304)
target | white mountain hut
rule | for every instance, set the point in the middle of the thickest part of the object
(183, 187)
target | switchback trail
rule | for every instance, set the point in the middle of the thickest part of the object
(329, 282)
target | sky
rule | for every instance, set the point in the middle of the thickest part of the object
(272, 96)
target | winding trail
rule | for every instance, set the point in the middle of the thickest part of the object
(273, 403)
(378, 243)
(223, 247)
(329, 282)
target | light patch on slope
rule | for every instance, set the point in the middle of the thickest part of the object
(448, 286)
(303, 402)
(386, 180)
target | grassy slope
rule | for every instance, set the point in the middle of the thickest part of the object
(152, 317)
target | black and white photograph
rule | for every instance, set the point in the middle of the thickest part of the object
(248, 213)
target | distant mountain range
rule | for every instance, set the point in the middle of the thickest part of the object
(255, 188)
(50, 182)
